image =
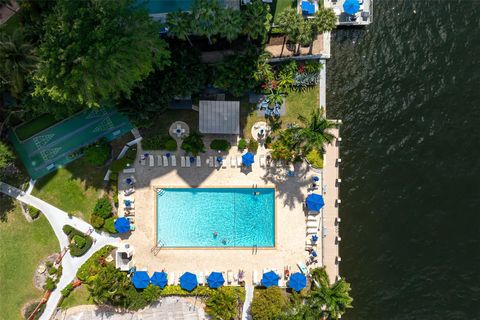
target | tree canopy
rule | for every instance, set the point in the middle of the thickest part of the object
(93, 50)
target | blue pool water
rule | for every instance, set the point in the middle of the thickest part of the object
(188, 217)
(166, 6)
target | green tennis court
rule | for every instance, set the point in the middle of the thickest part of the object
(56, 146)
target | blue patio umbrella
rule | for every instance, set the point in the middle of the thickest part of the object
(308, 7)
(314, 238)
(351, 6)
(270, 279)
(215, 280)
(315, 202)
(297, 281)
(140, 279)
(159, 279)
(188, 281)
(248, 159)
(122, 225)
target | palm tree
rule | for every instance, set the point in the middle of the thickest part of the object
(221, 305)
(17, 60)
(290, 22)
(324, 20)
(206, 18)
(315, 131)
(330, 302)
(231, 24)
(179, 25)
(257, 20)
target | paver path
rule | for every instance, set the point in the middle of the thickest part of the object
(57, 219)
(248, 301)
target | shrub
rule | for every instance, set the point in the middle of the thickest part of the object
(109, 225)
(96, 221)
(33, 212)
(220, 144)
(92, 265)
(77, 251)
(315, 159)
(103, 208)
(224, 303)
(67, 290)
(268, 142)
(193, 143)
(31, 307)
(79, 241)
(67, 229)
(50, 285)
(52, 271)
(113, 177)
(252, 145)
(242, 144)
(49, 264)
(152, 293)
(267, 304)
(160, 142)
(97, 154)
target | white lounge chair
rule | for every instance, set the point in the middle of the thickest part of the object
(201, 278)
(224, 162)
(229, 276)
(171, 278)
(311, 218)
(210, 162)
(187, 162)
(129, 170)
(159, 161)
(143, 162)
(182, 161)
(151, 160)
(174, 161)
(199, 161)
(255, 277)
(262, 161)
(217, 164)
(165, 161)
(312, 231)
(312, 224)
(239, 161)
(233, 162)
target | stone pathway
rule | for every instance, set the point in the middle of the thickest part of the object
(248, 301)
(57, 219)
(167, 308)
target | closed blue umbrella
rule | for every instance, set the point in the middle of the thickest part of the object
(297, 281)
(159, 279)
(270, 279)
(351, 6)
(188, 281)
(215, 280)
(248, 159)
(122, 225)
(140, 279)
(315, 202)
(308, 7)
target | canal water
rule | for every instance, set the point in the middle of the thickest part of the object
(408, 91)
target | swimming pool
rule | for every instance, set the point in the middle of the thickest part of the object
(166, 6)
(215, 217)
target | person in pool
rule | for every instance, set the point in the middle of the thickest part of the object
(224, 241)
(215, 234)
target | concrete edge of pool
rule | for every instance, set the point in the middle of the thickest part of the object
(155, 190)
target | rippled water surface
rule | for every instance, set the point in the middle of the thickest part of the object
(408, 91)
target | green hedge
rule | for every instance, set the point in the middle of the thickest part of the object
(160, 142)
(109, 225)
(242, 144)
(315, 159)
(253, 145)
(92, 265)
(81, 243)
(103, 208)
(220, 144)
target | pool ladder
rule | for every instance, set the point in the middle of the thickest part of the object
(161, 192)
(156, 249)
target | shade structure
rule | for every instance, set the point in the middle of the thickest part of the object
(188, 281)
(315, 202)
(141, 279)
(122, 225)
(308, 7)
(351, 6)
(159, 279)
(215, 280)
(270, 279)
(248, 159)
(297, 281)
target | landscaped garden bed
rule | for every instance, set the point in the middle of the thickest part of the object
(79, 242)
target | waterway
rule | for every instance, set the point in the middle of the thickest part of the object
(408, 90)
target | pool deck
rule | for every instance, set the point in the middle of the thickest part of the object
(290, 217)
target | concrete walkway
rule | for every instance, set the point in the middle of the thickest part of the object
(57, 219)
(248, 301)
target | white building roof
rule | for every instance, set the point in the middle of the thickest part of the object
(219, 117)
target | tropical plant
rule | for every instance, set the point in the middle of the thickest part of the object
(242, 144)
(252, 145)
(17, 61)
(286, 146)
(315, 132)
(109, 225)
(315, 159)
(275, 98)
(289, 22)
(235, 73)
(193, 143)
(231, 22)
(206, 18)
(256, 20)
(267, 304)
(96, 221)
(179, 24)
(323, 20)
(103, 208)
(264, 71)
(7, 159)
(220, 144)
(222, 304)
(93, 50)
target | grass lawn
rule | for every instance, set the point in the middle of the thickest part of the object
(297, 102)
(280, 5)
(165, 120)
(22, 246)
(34, 126)
(74, 189)
(79, 296)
